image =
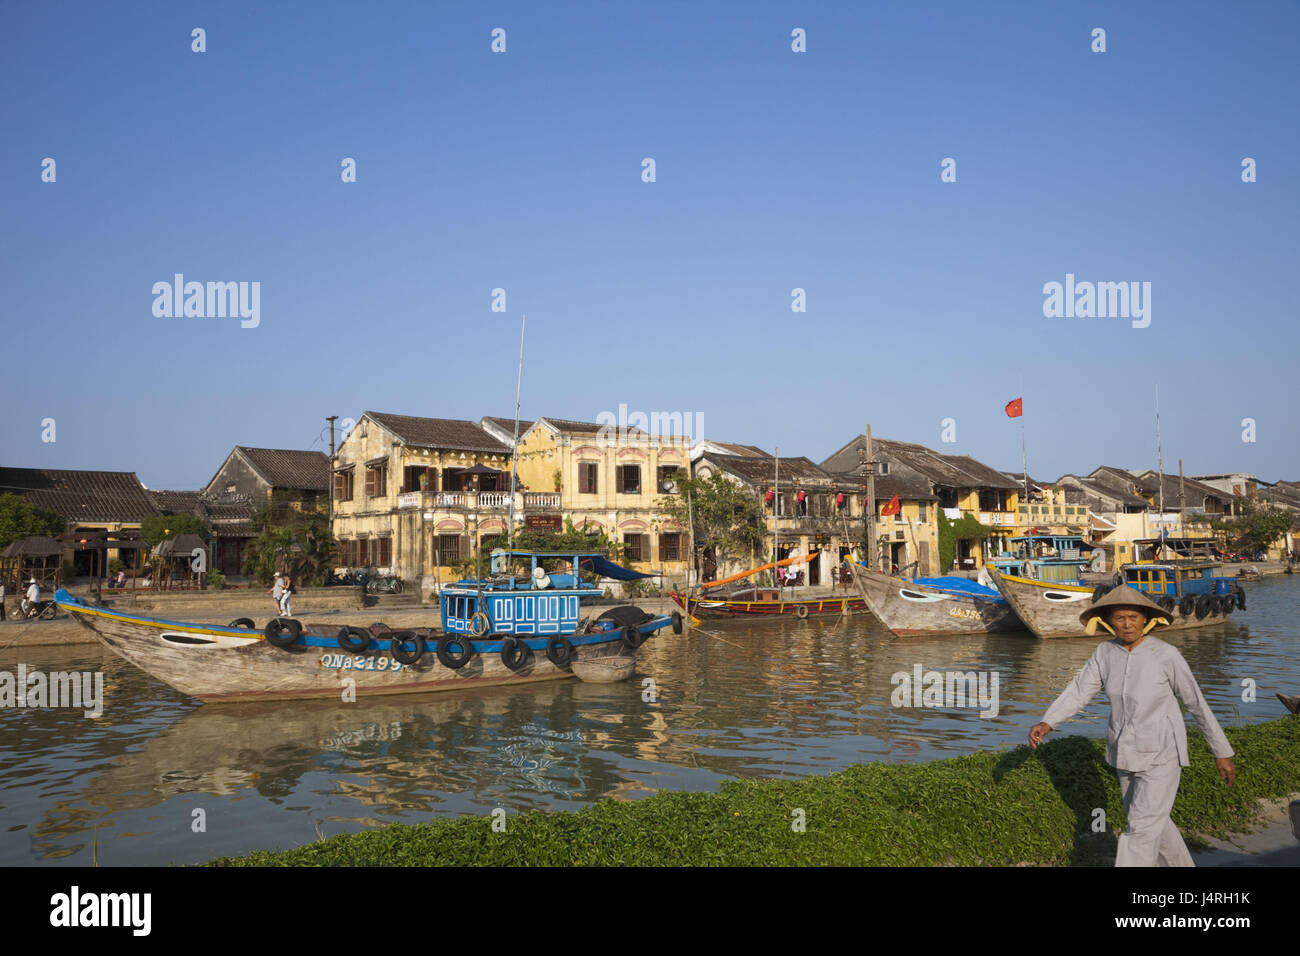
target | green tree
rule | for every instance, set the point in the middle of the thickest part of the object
(726, 516)
(160, 527)
(298, 542)
(19, 519)
(1256, 527)
(950, 532)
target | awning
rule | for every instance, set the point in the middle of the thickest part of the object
(33, 547)
(608, 569)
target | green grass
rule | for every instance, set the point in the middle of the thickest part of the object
(986, 809)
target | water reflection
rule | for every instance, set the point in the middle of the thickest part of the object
(770, 699)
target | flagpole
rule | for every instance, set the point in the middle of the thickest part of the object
(1024, 459)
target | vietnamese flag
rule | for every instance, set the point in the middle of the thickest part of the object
(892, 508)
(1015, 409)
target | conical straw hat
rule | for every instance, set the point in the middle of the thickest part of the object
(1125, 597)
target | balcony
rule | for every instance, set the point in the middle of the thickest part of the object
(525, 502)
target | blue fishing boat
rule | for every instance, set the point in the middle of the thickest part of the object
(540, 593)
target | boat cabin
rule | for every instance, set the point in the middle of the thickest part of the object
(1177, 580)
(1044, 557)
(527, 592)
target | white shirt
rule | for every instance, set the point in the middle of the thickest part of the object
(1146, 719)
(33, 593)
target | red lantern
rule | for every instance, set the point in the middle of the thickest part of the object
(839, 500)
(800, 496)
(770, 495)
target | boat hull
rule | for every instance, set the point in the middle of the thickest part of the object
(1051, 610)
(729, 608)
(242, 666)
(908, 609)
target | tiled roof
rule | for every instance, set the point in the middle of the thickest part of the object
(441, 433)
(949, 471)
(566, 427)
(1101, 486)
(748, 451)
(284, 468)
(1195, 491)
(507, 425)
(176, 502)
(907, 487)
(760, 470)
(81, 495)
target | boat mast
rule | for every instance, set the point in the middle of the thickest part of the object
(776, 522)
(1160, 460)
(514, 460)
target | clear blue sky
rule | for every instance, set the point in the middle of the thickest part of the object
(775, 170)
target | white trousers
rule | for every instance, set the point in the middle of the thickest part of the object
(1151, 838)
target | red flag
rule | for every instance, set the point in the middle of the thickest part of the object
(892, 508)
(1015, 409)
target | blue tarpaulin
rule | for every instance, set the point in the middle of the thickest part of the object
(608, 569)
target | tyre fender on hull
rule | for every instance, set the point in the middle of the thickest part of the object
(282, 631)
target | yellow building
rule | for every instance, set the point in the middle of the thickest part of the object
(412, 496)
(610, 480)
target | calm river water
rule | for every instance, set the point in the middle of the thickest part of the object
(768, 699)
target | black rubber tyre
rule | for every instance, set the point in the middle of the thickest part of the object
(282, 631)
(1241, 598)
(1166, 604)
(1202, 607)
(244, 622)
(559, 650)
(49, 612)
(677, 622)
(630, 637)
(1187, 605)
(515, 653)
(454, 660)
(1226, 604)
(397, 647)
(1099, 592)
(354, 640)
(801, 612)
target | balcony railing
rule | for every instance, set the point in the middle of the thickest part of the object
(478, 501)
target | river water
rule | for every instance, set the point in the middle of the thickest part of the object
(781, 698)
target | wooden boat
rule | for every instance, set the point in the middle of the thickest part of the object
(1186, 588)
(511, 643)
(909, 608)
(766, 602)
(605, 669)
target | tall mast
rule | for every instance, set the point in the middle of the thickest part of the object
(1160, 460)
(514, 460)
(776, 519)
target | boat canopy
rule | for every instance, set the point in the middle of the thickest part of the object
(608, 569)
(593, 561)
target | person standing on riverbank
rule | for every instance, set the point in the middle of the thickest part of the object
(1146, 740)
(277, 592)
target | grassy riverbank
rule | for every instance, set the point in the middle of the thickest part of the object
(990, 809)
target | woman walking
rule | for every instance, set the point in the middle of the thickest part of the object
(1146, 740)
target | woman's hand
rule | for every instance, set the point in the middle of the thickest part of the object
(1038, 732)
(1226, 769)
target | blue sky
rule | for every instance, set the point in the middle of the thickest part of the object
(775, 170)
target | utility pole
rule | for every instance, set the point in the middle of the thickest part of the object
(331, 419)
